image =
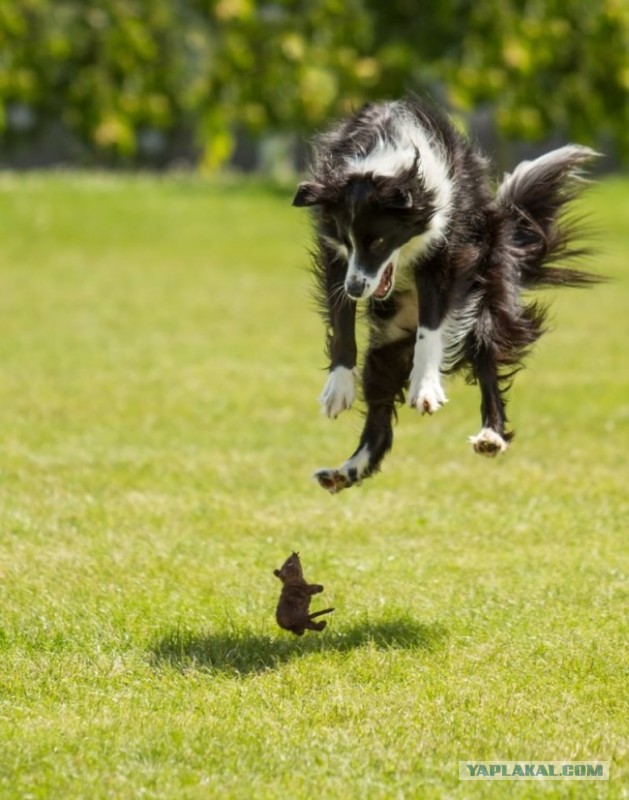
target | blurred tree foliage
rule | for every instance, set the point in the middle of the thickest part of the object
(127, 76)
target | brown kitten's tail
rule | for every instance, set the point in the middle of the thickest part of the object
(319, 613)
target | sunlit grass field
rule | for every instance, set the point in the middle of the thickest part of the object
(160, 362)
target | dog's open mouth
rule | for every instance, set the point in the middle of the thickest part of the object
(386, 282)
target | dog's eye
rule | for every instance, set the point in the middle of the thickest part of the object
(374, 244)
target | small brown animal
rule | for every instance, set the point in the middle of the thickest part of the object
(292, 612)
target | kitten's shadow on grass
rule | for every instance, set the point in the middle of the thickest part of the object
(248, 652)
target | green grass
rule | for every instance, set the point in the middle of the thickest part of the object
(160, 364)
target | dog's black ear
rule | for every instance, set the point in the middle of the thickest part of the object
(398, 198)
(394, 193)
(309, 193)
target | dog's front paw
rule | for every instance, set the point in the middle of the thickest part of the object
(488, 443)
(427, 395)
(339, 391)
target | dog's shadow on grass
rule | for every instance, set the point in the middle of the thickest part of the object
(248, 652)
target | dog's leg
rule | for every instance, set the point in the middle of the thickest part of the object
(492, 438)
(384, 377)
(339, 391)
(426, 392)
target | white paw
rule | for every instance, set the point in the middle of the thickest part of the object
(334, 480)
(350, 474)
(339, 391)
(427, 395)
(488, 443)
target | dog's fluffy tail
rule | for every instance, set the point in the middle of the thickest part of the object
(535, 247)
(532, 200)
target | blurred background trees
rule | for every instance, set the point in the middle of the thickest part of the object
(137, 81)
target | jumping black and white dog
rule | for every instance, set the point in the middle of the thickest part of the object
(406, 221)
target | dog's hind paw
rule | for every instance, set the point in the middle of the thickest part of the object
(488, 443)
(333, 480)
(352, 472)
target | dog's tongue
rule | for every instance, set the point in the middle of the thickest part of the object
(385, 282)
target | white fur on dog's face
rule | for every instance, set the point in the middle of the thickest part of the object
(428, 162)
(359, 284)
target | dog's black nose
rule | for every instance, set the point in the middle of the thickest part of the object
(355, 287)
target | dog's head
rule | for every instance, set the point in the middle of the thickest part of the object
(369, 218)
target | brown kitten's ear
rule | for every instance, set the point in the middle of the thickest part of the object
(309, 194)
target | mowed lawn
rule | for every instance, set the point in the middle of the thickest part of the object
(160, 363)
